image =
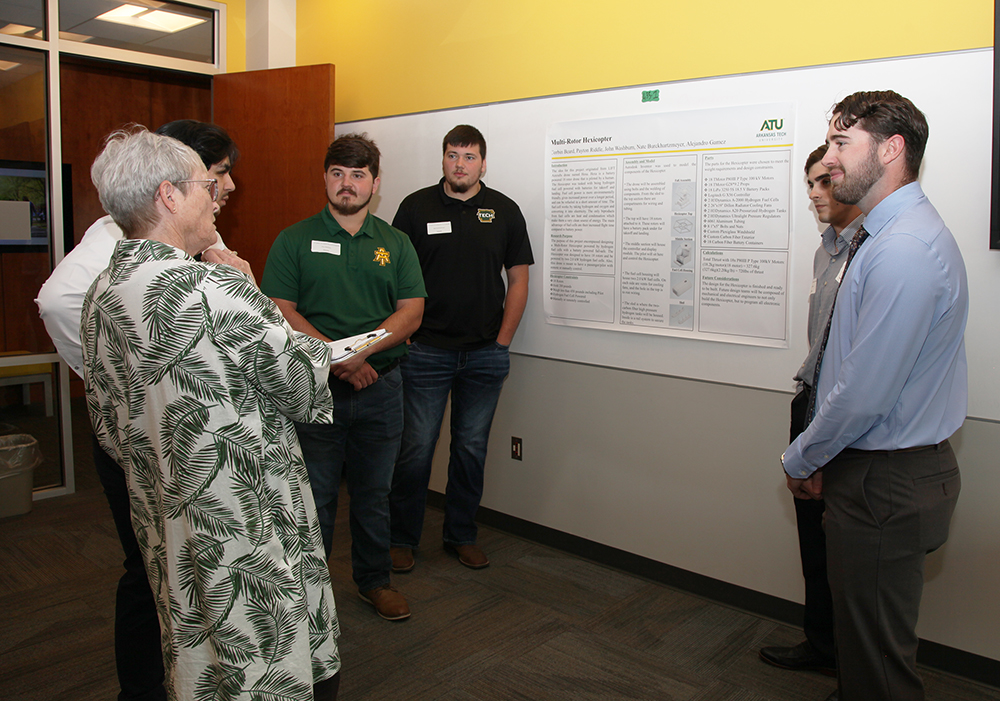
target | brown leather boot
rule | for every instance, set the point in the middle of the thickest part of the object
(388, 602)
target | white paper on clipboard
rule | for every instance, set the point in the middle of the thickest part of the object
(346, 347)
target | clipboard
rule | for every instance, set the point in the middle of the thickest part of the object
(346, 347)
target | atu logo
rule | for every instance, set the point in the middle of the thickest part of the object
(772, 124)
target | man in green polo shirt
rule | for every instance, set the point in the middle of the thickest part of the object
(336, 274)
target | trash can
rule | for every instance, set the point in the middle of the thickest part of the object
(19, 456)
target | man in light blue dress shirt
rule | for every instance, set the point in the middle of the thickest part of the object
(892, 388)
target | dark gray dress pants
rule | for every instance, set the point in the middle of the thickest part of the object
(884, 512)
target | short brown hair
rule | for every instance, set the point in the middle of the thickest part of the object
(883, 114)
(353, 151)
(815, 157)
(465, 135)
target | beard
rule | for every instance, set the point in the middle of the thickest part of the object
(852, 188)
(345, 208)
(461, 186)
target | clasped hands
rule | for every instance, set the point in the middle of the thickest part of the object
(809, 488)
(355, 370)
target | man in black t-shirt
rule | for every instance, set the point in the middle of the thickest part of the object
(465, 235)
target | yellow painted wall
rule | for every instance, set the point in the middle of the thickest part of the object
(399, 56)
(236, 35)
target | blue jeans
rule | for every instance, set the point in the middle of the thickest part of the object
(361, 444)
(474, 379)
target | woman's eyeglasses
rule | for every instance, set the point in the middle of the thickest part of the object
(212, 186)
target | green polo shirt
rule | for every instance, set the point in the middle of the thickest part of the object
(342, 284)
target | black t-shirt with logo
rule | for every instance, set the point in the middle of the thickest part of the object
(462, 247)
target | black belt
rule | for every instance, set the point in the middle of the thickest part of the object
(388, 368)
(914, 449)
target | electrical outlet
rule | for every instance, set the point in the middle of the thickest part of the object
(515, 448)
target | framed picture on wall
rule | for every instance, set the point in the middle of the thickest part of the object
(25, 223)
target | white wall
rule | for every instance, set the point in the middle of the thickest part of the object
(686, 473)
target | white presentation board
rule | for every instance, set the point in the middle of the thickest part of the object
(954, 90)
(672, 223)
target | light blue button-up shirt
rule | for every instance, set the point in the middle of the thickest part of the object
(894, 374)
(828, 264)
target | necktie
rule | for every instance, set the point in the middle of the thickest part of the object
(859, 238)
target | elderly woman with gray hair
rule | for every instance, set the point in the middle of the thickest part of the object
(193, 379)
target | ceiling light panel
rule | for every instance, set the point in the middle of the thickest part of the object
(145, 18)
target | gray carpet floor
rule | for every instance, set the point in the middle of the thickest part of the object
(536, 625)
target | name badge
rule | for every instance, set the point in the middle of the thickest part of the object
(438, 227)
(812, 290)
(326, 247)
(840, 275)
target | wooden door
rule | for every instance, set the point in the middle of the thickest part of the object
(282, 121)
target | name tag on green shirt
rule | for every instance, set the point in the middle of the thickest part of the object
(326, 247)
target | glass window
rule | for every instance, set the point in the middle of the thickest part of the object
(25, 208)
(176, 36)
(24, 18)
(28, 388)
(153, 27)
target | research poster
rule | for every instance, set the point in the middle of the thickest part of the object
(674, 223)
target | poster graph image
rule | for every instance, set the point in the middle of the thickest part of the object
(671, 224)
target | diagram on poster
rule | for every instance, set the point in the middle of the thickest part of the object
(672, 224)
